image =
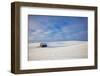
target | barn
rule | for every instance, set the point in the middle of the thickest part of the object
(43, 45)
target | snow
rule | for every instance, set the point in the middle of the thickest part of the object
(58, 50)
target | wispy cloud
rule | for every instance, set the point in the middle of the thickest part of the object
(57, 28)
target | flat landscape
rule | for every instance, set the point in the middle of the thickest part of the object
(58, 50)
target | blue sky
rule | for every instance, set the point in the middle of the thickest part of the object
(57, 28)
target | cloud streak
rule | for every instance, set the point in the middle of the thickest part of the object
(57, 28)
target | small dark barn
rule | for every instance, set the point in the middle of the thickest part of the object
(43, 45)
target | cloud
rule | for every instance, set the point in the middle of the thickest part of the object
(56, 29)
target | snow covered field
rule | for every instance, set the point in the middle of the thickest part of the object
(58, 50)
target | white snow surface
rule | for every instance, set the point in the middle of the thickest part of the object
(58, 50)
